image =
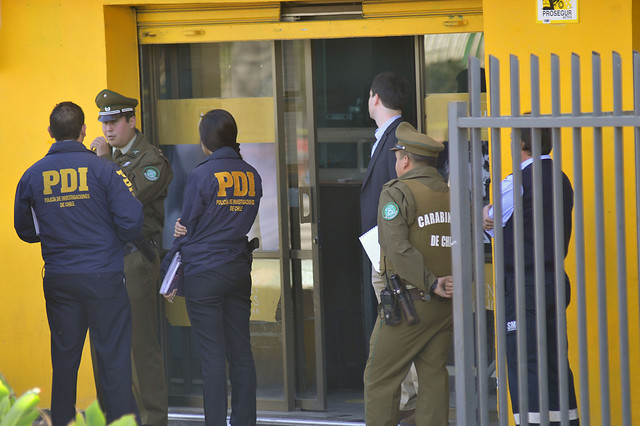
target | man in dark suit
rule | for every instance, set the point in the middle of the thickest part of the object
(387, 98)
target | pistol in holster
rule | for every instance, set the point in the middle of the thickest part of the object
(251, 246)
(403, 299)
(147, 249)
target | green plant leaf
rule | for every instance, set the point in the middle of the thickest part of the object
(28, 418)
(5, 392)
(5, 405)
(94, 416)
(79, 421)
(23, 406)
(4, 384)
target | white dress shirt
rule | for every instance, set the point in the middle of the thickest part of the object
(380, 131)
(506, 190)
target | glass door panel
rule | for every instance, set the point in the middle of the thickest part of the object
(180, 83)
(300, 153)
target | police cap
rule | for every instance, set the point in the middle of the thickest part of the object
(113, 104)
(415, 142)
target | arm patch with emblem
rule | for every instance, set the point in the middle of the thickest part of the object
(390, 211)
(151, 174)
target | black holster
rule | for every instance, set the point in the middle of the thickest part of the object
(403, 299)
(146, 248)
(389, 309)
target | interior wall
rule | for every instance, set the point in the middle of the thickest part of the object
(603, 27)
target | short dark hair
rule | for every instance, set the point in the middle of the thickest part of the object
(66, 121)
(392, 89)
(421, 159)
(218, 129)
(545, 140)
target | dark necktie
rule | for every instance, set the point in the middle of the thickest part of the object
(117, 153)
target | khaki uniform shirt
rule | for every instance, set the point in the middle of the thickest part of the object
(414, 227)
(150, 174)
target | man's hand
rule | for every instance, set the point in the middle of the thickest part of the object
(487, 221)
(179, 230)
(444, 288)
(100, 146)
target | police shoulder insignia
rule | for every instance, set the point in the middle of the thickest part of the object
(390, 211)
(151, 174)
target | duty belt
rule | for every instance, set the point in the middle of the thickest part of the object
(148, 248)
(416, 294)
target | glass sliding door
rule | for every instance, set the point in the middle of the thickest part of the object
(266, 86)
(180, 83)
(299, 152)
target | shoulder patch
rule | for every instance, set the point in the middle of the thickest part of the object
(151, 174)
(390, 211)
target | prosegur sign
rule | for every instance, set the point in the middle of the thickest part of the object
(557, 11)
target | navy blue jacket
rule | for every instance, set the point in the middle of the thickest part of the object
(221, 200)
(547, 227)
(85, 210)
(381, 170)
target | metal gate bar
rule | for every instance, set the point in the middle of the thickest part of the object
(603, 330)
(578, 215)
(623, 317)
(471, 388)
(479, 258)
(498, 258)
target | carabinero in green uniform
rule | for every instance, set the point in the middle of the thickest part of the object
(414, 231)
(150, 174)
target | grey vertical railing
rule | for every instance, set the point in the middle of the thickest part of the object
(601, 272)
(538, 223)
(578, 229)
(498, 257)
(623, 318)
(465, 124)
(478, 248)
(559, 244)
(461, 252)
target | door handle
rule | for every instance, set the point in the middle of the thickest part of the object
(305, 204)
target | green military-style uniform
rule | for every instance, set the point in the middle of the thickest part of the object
(414, 231)
(150, 173)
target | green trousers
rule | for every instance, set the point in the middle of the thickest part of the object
(392, 349)
(147, 361)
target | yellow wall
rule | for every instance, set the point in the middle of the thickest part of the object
(51, 51)
(602, 27)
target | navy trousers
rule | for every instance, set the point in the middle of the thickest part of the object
(532, 352)
(219, 306)
(98, 302)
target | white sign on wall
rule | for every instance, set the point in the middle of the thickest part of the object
(557, 11)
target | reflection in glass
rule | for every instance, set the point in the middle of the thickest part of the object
(342, 71)
(446, 57)
(266, 328)
(306, 374)
(299, 181)
(214, 70)
(184, 80)
(445, 80)
(296, 139)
